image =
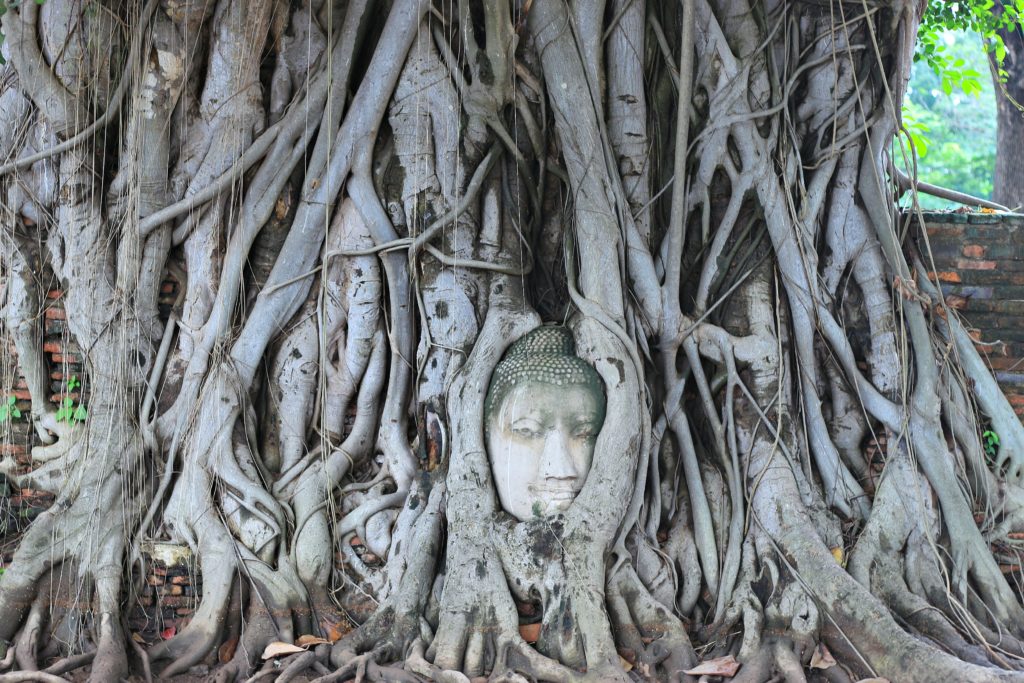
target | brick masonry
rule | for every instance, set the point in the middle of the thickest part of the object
(978, 260)
(169, 594)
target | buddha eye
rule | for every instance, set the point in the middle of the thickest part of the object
(526, 431)
(585, 431)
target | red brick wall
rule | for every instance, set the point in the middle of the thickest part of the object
(65, 361)
(64, 356)
(169, 597)
(169, 594)
(979, 261)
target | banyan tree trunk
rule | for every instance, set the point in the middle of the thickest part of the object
(364, 209)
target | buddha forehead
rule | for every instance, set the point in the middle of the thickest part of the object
(545, 402)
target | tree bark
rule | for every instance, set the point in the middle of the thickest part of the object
(1008, 184)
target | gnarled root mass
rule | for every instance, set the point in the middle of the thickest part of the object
(360, 207)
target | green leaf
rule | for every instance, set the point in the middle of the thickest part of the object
(920, 144)
(8, 409)
(80, 414)
(990, 442)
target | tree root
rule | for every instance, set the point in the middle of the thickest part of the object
(301, 663)
(187, 648)
(147, 668)
(861, 619)
(417, 663)
(71, 663)
(640, 619)
(31, 677)
(354, 665)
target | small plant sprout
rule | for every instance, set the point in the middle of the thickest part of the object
(9, 410)
(990, 441)
(68, 411)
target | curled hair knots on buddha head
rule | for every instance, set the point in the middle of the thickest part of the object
(546, 355)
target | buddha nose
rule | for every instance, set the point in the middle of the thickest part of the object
(556, 460)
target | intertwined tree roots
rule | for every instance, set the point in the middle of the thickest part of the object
(363, 205)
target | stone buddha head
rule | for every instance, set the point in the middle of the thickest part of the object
(544, 409)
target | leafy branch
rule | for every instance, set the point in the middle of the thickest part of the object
(980, 16)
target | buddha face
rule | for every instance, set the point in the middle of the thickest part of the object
(541, 444)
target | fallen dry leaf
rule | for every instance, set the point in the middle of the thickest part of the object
(719, 666)
(822, 658)
(281, 209)
(335, 631)
(277, 649)
(227, 650)
(137, 637)
(308, 640)
(956, 301)
(529, 632)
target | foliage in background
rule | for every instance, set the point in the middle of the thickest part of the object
(982, 17)
(951, 118)
(950, 112)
